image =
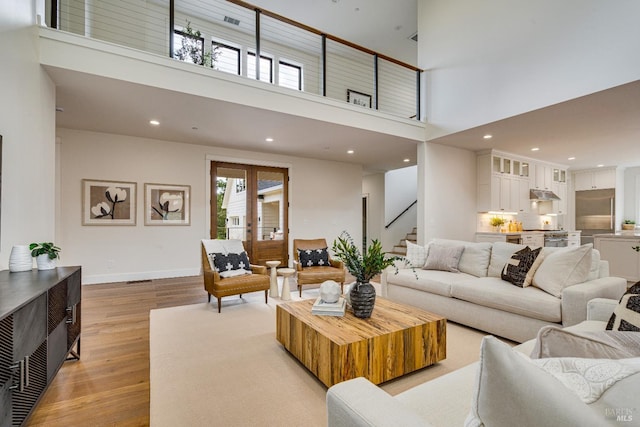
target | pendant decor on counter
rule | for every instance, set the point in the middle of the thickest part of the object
(20, 259)
(363, 298)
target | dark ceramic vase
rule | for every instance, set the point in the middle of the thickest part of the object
(363, 298)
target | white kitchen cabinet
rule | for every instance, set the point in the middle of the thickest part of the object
(560, 206)
(543, 176)
(509, 194)
(573, 238)
(490, 238)
(595, 179)
(559, 175)
(623, 260)
(503, 182)
(534, 239)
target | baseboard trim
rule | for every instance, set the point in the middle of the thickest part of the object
(96, 279)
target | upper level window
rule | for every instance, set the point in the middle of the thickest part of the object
(290, 75)
(266, 67)
(228, 58)
(188, 47)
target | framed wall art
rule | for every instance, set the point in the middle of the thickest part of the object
(108, 202)
(358, 98)
(166, 204)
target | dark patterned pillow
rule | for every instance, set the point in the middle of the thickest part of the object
(516, 269)
(313, 257)
(626, 316)
(230, 261)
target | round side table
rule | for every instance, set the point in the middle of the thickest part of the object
(273, 289)
(286, 290)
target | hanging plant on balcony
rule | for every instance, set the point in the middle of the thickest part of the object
(192, 48)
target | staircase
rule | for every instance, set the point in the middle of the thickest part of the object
(401, 248)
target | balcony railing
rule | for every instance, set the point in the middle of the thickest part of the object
(228, 36)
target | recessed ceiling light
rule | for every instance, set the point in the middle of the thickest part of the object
(406, 160)
(571, 158)
(487, 136)
(269, 139)
(535, 149)
(350, 151)
(600, 166)
(154, 122)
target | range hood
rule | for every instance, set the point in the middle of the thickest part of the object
(543, 195)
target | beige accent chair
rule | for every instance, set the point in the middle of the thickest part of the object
(316, 274)
(221, 287)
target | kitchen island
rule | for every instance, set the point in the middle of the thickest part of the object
(622, 250)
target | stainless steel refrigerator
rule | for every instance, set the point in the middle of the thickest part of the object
(595, 213)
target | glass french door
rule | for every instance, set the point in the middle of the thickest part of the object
(250, 203)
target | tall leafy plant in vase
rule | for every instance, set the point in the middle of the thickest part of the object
(364, 267)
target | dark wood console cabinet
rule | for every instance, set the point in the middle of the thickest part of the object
(39, 330)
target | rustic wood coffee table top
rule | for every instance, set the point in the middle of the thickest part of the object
(395, 340)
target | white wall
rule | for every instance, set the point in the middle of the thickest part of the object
(373, 188)
(27, 124)
(401, 190)
(632, 194)
(494, 59)
(324, 199)
(447, 193)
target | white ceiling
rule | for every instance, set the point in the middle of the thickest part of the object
(384, 26)
(599, 129)
(106, 105)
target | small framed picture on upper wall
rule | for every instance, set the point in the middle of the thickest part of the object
(358, 98)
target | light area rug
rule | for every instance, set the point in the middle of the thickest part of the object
(228, 369)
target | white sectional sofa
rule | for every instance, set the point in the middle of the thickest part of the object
(476, 296)
(503, 389)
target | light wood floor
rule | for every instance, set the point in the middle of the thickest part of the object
(109, 386)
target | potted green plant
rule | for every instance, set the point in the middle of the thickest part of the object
(46, 254)
(628, 224)
(363, 267)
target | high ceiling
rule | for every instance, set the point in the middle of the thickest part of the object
(601, 129)
(384, 26)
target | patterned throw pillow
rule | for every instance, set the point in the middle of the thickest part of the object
(230, 261)
(517, 268)
(314, 257)
(626, 316)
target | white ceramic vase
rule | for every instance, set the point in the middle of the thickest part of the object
(45, 263)
(20, 259)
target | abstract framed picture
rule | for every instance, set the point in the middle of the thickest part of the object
(358, 98)
(108, 202)
(166, 204)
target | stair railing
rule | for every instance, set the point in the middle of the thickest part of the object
(400, 214)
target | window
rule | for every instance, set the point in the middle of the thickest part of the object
(241, 185)
(290, 75)
(228, 58)
(188, 48)
(266, 67)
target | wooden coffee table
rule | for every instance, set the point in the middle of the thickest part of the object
(395, 340)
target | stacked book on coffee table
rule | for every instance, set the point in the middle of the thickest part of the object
(323, 308)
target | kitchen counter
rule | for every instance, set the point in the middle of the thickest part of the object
(621, 234)
(619, 250)
(496, 233)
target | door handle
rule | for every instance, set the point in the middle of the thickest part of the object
(71, 311)
(21, 382)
